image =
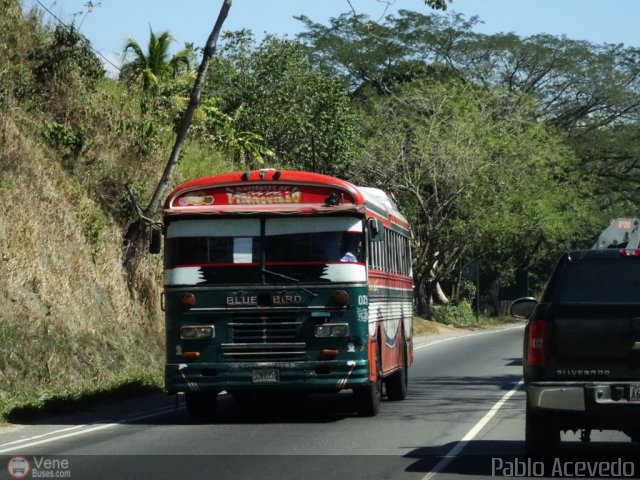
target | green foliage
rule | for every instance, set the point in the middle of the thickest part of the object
(534, 157)
(456, 315)
(475, 178)
(200, 160)
(5, 182)
(20, 32)
(163, 78)
(157, 63)
(589, 92)
(437, 4)
(381, 56)
(26, 405)
(18, 35)
(303, 115)
(65, 140)
(213, 126)
(68, 54)
(94, 224)
(18, 82)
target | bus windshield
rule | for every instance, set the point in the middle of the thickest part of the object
(267, 250)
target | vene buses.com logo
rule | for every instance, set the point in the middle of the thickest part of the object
(18, 467)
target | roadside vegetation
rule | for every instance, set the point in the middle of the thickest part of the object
(502, 151)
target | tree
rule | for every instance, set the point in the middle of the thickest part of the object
(385, 54)
(303, 114)
(589, 92)
(587, 95)
(437, 4)
(69, 53)
(157, 63)
(155, 69)
(220, 131)
(64, 69)
(476, 179)
(577, 86)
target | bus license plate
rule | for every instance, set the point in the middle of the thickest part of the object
(265, 375)
(634, 393)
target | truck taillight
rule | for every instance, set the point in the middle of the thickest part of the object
(536, 345)
(630, 252)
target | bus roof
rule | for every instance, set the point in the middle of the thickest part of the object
(276, 191)
(377, 199)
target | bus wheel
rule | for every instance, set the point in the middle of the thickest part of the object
(201, 406)
(396, 384)
(242, 398)
(368, 398)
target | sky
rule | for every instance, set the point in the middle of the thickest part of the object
(111, 22)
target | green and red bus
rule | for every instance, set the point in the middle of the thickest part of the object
(285, 281)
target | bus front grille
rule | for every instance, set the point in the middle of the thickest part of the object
(264, 337)
(267, 352)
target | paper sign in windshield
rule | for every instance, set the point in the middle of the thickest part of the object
(242, 250)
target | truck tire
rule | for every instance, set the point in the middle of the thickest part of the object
(201, 406)
(541, 433)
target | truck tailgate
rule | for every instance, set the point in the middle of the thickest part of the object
(596, 337)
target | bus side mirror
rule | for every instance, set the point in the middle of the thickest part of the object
(376, 229)
(155, 241)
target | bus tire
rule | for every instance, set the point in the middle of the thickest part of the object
(242, 398)
(397, 383)
(201, 406)
(368, 398)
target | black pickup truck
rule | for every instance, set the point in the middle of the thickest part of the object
(582, 348)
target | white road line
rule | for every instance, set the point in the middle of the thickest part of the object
(40, 440)
(471, 434)
(41, 436)
(455, 337)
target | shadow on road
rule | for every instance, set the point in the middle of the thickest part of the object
(438, 398)
(491, 458)
(162, 409)
(265, 409)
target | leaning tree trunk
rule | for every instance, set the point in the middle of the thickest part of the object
(136, 229)
(422, 297)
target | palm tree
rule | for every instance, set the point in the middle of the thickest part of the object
(153, 67)
(157, 63)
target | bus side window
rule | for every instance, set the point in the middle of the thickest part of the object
(386, 260)
(372, 249)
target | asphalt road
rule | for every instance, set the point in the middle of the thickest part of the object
(463, 417)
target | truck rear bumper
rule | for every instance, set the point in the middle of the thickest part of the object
(310, 376)
(556, 397)
(597, 398)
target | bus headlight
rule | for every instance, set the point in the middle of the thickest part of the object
(332, 330)
(197, 332)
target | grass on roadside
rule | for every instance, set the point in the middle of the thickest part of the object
(424, 327)
(50, 402)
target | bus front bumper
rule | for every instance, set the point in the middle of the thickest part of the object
(266, 376)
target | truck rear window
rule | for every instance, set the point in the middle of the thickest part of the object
(598, 281)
